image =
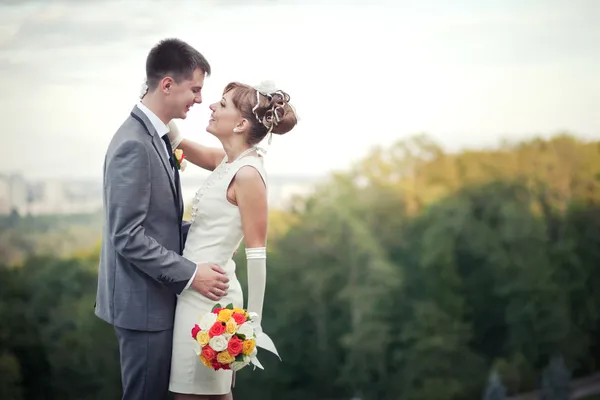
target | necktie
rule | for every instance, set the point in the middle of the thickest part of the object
(165, 139)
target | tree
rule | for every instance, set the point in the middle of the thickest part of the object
(408, 277)
(10, 378)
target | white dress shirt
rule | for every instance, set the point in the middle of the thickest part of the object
(160, 126)
(162, 130)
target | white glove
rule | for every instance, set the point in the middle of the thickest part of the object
(257, 281)
(174, 134)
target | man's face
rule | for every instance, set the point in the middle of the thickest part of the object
(183, 95)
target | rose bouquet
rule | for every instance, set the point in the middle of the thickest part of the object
(226, 338)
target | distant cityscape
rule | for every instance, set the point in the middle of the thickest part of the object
(81, 196)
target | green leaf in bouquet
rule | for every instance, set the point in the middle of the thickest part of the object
(239, 357)
(229, 306)
(243, 337)
(218, 305)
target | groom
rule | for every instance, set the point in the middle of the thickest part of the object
(141, 268)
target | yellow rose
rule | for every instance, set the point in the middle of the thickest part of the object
(231, 327)
(224, 315)
(178, 154)
(225, 358)
(248, 346)
(239, 311)
(205, 361)
(202, 338)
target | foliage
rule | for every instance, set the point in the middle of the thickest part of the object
(59, 235)
(409, 277)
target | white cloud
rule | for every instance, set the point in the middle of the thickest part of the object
(359, 74)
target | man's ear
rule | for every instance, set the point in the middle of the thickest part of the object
(166, 84)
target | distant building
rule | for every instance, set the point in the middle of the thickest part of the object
(50, 200)
(18, 194)
(4, 195)
(13, 194)
(54, 196)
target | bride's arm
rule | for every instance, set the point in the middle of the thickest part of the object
(251, 198)
(202, 156)
(250, 195)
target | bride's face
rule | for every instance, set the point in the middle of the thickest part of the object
(224, 117)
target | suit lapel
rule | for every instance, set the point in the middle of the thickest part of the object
(159, 148)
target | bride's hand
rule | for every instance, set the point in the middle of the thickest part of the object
(174, 134)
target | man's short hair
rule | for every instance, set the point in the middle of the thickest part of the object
(174, 58)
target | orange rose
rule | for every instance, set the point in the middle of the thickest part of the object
(217, 329)
(238, 318)
(235, 346)
(209, 353)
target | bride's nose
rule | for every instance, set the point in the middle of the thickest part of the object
(212, 107)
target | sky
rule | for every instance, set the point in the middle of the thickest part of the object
(359, 73)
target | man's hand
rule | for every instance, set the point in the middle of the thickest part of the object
(211, 281)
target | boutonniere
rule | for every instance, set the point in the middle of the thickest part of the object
(180, 159)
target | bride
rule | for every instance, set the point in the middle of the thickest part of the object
(229, 207)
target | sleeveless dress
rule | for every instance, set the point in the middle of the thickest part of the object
(215, 233)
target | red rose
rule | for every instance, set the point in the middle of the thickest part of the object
(226, 366)
(216, 365)
(209, 353)
(217, 329)
(195, 331)
(238, 318)
(235, 346)
(216, 310)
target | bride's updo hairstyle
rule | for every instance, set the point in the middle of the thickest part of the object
(267, 111)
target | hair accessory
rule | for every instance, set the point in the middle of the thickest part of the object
(273, 115)
(144, 90)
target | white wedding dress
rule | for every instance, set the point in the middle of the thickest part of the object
(215, 233)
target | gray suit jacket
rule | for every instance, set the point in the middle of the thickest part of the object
(141, 268)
